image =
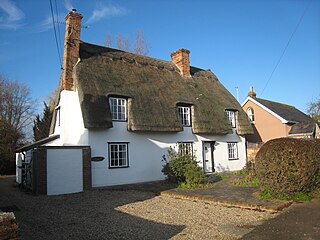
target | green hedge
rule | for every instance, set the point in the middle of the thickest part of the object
(286, 166)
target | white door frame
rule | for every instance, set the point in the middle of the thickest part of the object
(211, 143)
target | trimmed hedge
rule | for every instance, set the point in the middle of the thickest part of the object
(286, 166)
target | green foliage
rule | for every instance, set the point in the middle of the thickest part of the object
(287, 166)
(182, 168)
(41, 126)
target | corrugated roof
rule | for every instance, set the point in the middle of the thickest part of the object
(154, 88)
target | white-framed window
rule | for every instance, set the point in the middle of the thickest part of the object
(58, 116)
(231, 116)
(118, 107)
(185, 148)
(250, 113)
(118, 155)
(232, 151)
(185, 115)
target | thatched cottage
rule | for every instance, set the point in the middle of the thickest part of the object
(127, 110)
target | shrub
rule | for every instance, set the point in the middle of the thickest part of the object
(182, 168)
(286, 166)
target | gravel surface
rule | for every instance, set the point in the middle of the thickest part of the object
(114, 214)
(200, 220)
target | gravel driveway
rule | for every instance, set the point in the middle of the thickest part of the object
(113, 214)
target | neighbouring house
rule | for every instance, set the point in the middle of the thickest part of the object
(274, 120)
(118, 113)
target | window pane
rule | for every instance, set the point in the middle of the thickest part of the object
(118, 155)
(118, 108)
(184, 113)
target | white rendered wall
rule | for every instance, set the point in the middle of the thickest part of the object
(64, 171)
(72, 131)
(146, 151)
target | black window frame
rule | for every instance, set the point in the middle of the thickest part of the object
(110, 153)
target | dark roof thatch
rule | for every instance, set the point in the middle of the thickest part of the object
(153, 88)
(287, 112)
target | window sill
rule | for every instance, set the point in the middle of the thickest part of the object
(233, 159)
(118, 167)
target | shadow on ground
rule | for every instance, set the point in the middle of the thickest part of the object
(88, 215)
(300, 221)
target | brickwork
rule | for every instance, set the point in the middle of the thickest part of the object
(86, 166)
(40, 173)
(182, 61)
(71, 49)
(251, 154)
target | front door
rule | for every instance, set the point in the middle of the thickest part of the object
(208, 163)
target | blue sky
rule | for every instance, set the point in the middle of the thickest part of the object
(240, 41)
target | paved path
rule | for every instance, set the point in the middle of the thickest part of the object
(227, 194)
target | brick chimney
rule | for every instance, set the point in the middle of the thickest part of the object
(252, 93)
(71, 49)
(181, 59)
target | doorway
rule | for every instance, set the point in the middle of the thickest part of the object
(208, 156)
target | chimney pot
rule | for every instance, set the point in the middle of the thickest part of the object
(182, 60)
(252, 93)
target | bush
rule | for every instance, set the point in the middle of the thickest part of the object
(286, 166)
(182, 169)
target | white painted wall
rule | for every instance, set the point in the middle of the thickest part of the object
(64, 171)
(146, 151)
(72, 131)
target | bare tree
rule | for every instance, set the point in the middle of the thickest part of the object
(108, 41)
(314, 109)
(122, 43)
(140, 46)
(16, 105)
(16, 115)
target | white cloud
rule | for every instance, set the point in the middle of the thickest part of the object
(45, 25)
(68, 5)
(103, 11)
(10, 15)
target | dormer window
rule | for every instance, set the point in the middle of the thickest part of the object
(185, 115)
(118, 108)
(231, 116)
(250, 114)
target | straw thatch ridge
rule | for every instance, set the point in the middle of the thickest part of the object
(153, 88)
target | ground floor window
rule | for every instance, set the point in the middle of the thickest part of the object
(118, 155)
(233, 151)
(185, 148)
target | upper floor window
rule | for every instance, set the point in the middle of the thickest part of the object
(185, 115)
(231, 115)
(250, 114)
(118, 108)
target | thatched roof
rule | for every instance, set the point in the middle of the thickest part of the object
(153, 88)
(287, 112)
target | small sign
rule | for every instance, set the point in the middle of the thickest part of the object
(97, 159)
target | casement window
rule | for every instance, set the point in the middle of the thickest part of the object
(233, 151)
(58, 116)
(118, 155)
(231, 116)
(185, 115)
(185, 148)
(250, 114)
(118, 108)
